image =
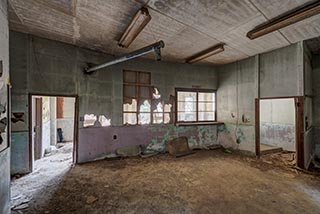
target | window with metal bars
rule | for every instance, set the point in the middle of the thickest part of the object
(195, 105)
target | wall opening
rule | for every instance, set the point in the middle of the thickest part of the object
(280, 112)
(277, 125)
(53, 129)
(52, 139)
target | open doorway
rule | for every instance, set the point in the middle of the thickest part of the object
(279, 126)
(53, 128)
(52, 145)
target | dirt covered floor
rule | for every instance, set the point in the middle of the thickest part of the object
(205, 182)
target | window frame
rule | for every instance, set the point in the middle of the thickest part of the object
(197, 91)
(137, 86)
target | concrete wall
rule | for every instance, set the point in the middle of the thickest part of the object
(281, 72)
(237, 90)
(273, 74)
(44, 66)
(277, 123)
(67, 122)
(4, 79)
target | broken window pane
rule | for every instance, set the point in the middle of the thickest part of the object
(130, 118)
(130, 106)
(144, 118)
(157, 118)
(167, 107)
(166, 118)
(104, 121)
(156, 94)
(206, 116)
(145, 106)
(158, 114)
(89, 120)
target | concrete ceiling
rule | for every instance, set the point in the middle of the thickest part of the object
(186, 26)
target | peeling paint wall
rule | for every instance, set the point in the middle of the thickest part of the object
(273, 74)
(45, 66)
(104, 141)
(4, 80)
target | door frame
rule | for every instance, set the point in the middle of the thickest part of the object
(299, 126)
(37, 138)
(75, 131)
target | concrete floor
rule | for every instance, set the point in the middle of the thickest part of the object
(205, 182)
(41, 183)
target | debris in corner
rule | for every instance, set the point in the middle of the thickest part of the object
(179, 147)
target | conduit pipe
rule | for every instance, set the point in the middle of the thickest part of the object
(151, 48)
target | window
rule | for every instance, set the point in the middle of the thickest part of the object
(136, 97)
(142, 103)
(195, 105)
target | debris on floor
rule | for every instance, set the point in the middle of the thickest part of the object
(91, 199)
(20, 202)
(178, 147)
(162, 184)
(48, 171)
(227, 151)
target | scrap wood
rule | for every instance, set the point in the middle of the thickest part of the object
(306, 171)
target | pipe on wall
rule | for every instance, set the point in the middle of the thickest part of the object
(156, 48)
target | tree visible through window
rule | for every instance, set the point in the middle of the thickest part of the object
(196, 105)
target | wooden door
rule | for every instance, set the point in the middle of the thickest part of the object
(38, 129)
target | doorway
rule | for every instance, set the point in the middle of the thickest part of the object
(53, 131)
(52, 144)
(279, 126)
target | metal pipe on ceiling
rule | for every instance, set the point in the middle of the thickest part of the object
(151, 48)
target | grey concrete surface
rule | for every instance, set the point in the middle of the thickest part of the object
(4, 79)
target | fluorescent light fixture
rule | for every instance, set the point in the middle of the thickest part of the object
(285, 20)
(206, 53)
(139, 21)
